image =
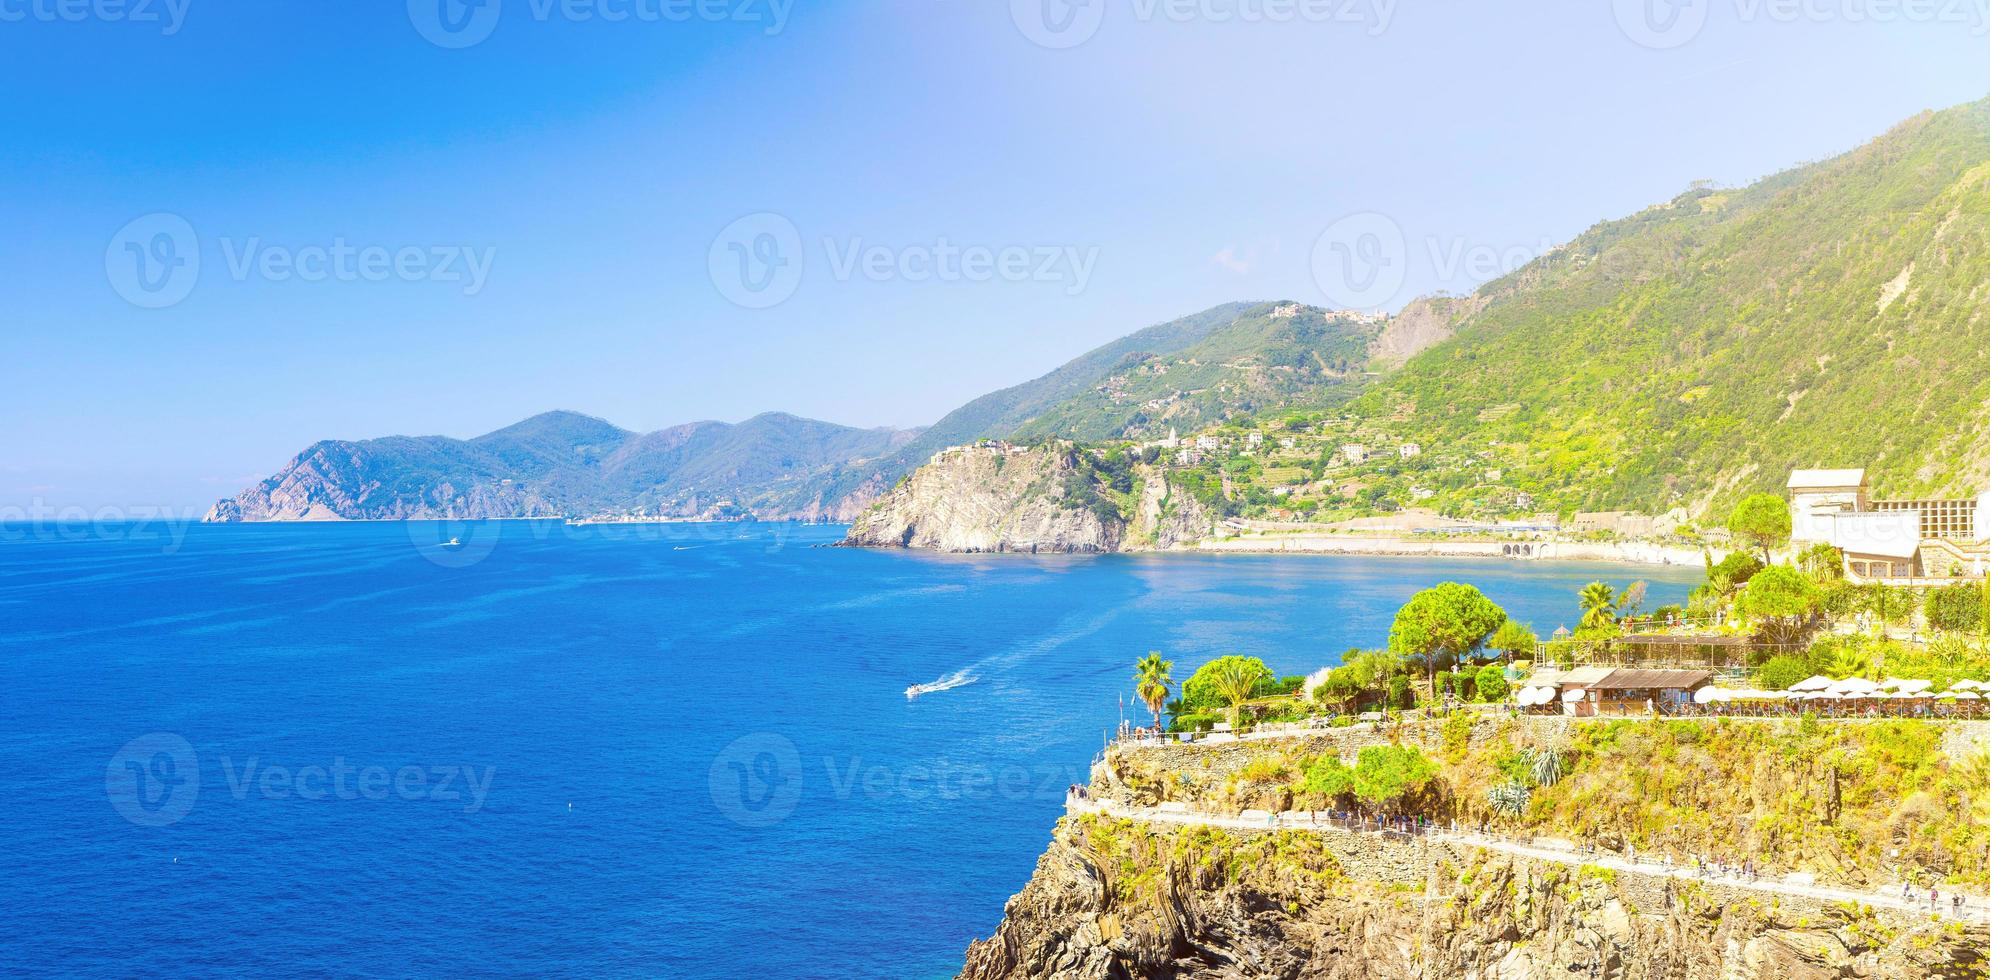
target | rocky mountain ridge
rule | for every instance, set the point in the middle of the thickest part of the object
(772, 466)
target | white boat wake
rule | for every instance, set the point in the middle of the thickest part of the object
(959, 678)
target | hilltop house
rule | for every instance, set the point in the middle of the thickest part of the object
(1889, 539)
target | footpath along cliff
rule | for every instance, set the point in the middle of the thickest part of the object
(1184, 877)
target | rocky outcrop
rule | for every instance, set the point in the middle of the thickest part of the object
(1121, 899)
(994, 497)
(337, 480)
(1425, 322)
(1167, 517)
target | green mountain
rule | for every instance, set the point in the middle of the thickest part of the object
(1228, 360)
(1832, 315)
(1272, 356)
(566, 464)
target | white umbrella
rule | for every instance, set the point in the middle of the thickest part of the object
(1815, 683)
(1572, 695)
(1964, 695)
(1910, 687)
(1856, 686)
(1967, 685)
(1708, 695)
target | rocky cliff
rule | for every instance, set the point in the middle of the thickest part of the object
(1121, 899)
(1184, 880)
(1045, 499)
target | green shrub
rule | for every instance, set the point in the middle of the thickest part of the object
(1781, 671)
(1264, 769)
(1739, 567)
(1200, 693)
(1197, 721)
(1491, 683)
(1956, 608)
(1387, 774)
(1328, 778)
(1400, 695)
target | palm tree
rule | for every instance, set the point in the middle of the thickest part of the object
(1150, 682)
(1599, 605)
(1853, 662)
(1237, 679)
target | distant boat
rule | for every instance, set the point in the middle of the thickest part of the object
(453, 543)
(947, 683)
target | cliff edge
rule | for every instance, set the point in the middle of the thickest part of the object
(1218, 861)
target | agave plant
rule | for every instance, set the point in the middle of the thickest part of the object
(1546, 766)
(1510, 799)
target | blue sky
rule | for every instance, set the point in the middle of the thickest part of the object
(1180, 156)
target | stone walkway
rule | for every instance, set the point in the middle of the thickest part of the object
(1974, 910)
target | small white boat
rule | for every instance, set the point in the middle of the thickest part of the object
(453, 543)
(947, 683)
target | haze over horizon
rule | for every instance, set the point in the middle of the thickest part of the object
(464, 211)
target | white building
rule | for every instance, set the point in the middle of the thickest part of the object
(1254, 440)
(1355, 452)
(1205, 443)
(1933, 538)
(1409, 450)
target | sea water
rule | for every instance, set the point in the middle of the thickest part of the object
(641, 750)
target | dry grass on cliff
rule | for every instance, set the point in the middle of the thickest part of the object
(1852, 802)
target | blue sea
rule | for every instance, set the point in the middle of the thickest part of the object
(660, 750)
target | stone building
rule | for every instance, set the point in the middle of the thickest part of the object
(1889, 539)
